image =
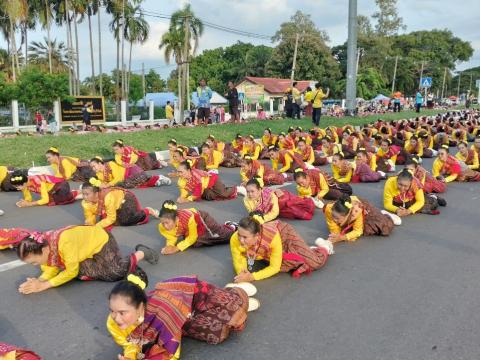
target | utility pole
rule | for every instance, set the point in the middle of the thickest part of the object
(294, 63)
(351, 54)
(122, 30)
(187, 65)
(394, 74)
(421, 75)
(443, 83)
(143, 86)
(458, 87)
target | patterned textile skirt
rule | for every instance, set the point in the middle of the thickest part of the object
(430, 207)
(469, 175)
(135, 177)
(337, 190)
(294, 207)
(363, 173)
(230, 159)
(376, 223)
(61, 194)
(272, 177)
(148, 162)
(220, 192)
(216, 312)
(108, 264)
(7, 350)
(297, 255)
(131, 213)
(433, 185)
(215, 233)
(348, 152)
(384, 165)
(83, 172)
(319, 159)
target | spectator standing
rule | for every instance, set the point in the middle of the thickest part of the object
(317, 103)
(86, 115)
(288, 102)
(297, 101)
(418, 100)
(232, 97)
(308, 101)
(170, 113)
(38, 121)
(52, 124)
(204, 94)
(396, 101)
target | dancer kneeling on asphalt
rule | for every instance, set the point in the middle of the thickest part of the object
(350, 217)
(277, 243)
(196, 228)
(196, 184)
(83, 252)
(52, 190)
(115, 206)
(132, 176)
(151, 325)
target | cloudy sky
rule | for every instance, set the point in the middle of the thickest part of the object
(265, 17)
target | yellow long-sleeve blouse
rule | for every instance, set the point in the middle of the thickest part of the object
(68, 168)
(171, 235)
(390, 191)
(113, 201)
(185, 194)
(130, 350)
(248, 151)
(239, 257)
(307, 191)
(217, 158)
(118, 174)
(475, 163)
(288, 163)
(437, 168)
(311, 156)
(245, 177)
(357, 223)
(45, 188)
(75, 245)
(420, 147)
(251, 205)
(3, 173)
(133, 159)
(342, 179)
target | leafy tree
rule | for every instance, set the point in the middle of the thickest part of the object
(314, 58)
(36, 88)
(135, 88)
(388, 21)
(153, 82)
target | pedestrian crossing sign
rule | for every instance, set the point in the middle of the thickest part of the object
(426, 82)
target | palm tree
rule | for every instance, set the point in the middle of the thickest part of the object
(41, 54)
(192, 27)
(136, 31)
(17, 11)
(172, 43)
(93, 7)
(79, 8)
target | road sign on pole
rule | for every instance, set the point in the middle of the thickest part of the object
(426, 82)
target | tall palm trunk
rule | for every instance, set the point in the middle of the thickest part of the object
(12, 34)
(25, 36)
(77, 52)
(129, 69)
(48, 37)
(91, 52)
(100, 52)
(179, 91)
(122, 34)
(117, 80)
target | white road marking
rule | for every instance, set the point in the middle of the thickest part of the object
(11, 265)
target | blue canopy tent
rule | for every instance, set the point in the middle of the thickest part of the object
(381, 97)
(159, 99)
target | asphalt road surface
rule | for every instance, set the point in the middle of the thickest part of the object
(414, 295)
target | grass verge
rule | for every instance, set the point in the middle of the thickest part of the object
(23, 151)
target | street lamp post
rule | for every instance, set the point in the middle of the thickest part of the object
(351, 58)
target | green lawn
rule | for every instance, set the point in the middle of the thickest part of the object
(23, 150)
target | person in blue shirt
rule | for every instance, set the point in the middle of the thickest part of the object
(204, 94)
(418, 100)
